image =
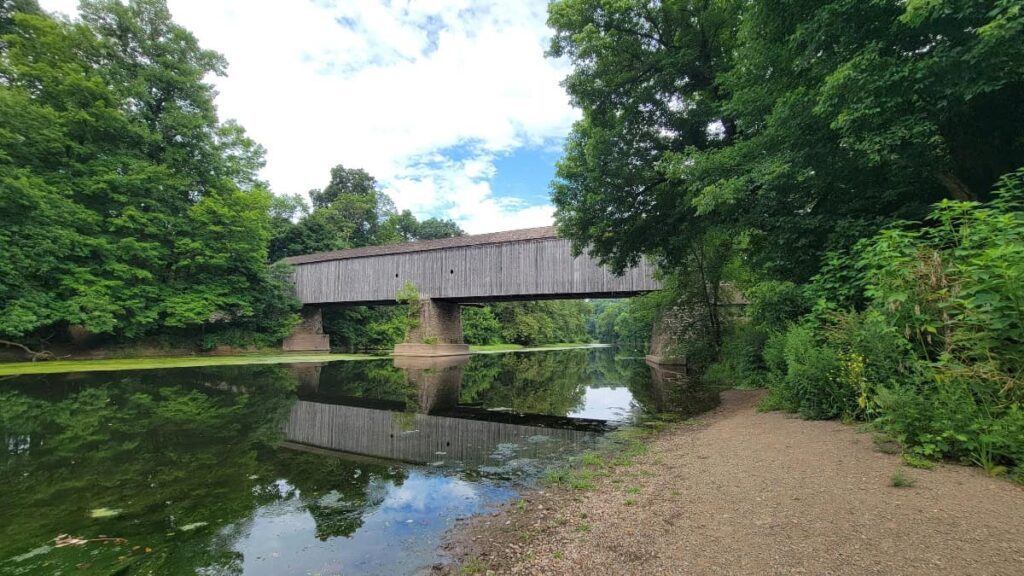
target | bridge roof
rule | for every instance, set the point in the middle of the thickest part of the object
(424, 245)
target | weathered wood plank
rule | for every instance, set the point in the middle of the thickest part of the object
(517, 269)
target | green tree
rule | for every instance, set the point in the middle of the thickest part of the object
(543, 321)
(480, 326)
(128, 208)
(645, 76)
(437, 228)
(404, 227)
(350, 212)
(353, 199)
(801, 126)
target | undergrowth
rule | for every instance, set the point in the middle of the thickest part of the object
(918, 330)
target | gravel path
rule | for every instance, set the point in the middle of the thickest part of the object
(752, 493)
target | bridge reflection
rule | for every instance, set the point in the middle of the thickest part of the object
(427, 424)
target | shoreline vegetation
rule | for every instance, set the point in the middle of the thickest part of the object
(24, 368)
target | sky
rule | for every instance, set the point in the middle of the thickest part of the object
(450, 104)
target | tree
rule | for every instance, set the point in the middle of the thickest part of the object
(128, 207)
(437, 228)
(344, 182)
(543, 321)
(797, 127)
(480, 326)
(353, 199)
(645, 76)
(404, 227)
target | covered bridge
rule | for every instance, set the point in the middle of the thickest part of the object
(528, 264)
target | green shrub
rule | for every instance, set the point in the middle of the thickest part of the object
(740, 362)
(915, 461)
(773, 305)
(920, 329)
(872, 353)
(812, 372)
(956, 417)
(780, 395)
(898, 480)
(480, 326)
(1017, 475)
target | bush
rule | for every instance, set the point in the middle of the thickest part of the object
(872, 354)
(812, 372)
(479, 326)
(740, 363)
(780, 395)
(774, 305)
(924, 334)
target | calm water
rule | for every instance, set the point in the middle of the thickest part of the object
(341, 468)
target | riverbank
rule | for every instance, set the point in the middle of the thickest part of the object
(182, 361)
(743, 492)
(155, 362)
(498, 348)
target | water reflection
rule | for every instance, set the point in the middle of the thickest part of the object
(428, 425)
(348, 467)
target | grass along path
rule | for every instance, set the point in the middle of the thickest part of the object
(742, 492)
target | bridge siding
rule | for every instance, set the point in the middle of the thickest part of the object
(527, 269)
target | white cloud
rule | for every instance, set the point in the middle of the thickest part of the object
(388, 86)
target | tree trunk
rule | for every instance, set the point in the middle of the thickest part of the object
(41, 355)
(955, 186)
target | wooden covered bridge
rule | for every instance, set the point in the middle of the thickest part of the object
(529, 264)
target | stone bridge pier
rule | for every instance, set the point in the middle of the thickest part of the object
(437, 331)
(309, 334)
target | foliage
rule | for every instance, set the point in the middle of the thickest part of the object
(795, 148)
(936, 355)
(404, 227)
(629, 59)
(689, 312)
(633, 324)
(740, 363)
(408, 297)
(365, 328)
(350, 212)
(480, 326)
(898, 480)
(915, 461)
(800, 127)
(543, 321)
(129, 209)
(774, 304)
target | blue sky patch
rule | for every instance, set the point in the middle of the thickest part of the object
(526, 173)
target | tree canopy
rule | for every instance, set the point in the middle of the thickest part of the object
(804, 126)
(350, 212)
(128, 206)
(129, 209)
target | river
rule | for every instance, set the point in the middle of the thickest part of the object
(349, 467)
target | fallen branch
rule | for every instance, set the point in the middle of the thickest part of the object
(63, 540)
(40, 355)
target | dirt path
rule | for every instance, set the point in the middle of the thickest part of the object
(752, 493)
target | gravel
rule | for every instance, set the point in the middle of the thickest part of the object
(752, 493)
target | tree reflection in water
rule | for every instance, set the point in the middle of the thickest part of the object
(183, 467)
